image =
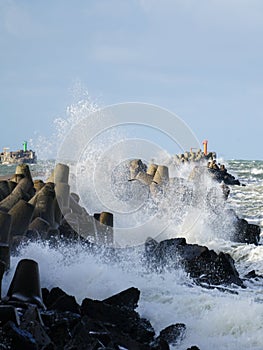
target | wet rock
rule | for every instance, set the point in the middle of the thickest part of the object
(221, 175)
(160, 344)
(127, 321)
(253, 274)
(20, 339)
(173, 334)
(36, 328)
(82, 338)
(245, 232)
(52, 296)
(66, 303)
(108, 335)
(164, 253)
(128, 298)
(201, 263)
(60, 332)
(66, 319)
(9, 313)
(253, 233)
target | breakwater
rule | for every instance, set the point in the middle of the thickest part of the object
(199, 261)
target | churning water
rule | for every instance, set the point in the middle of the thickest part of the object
(214, 319)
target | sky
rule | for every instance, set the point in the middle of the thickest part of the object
(202, 60)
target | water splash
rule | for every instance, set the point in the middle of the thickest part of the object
(46, 147)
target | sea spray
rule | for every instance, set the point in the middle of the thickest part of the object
(213, 318)
(46, 147)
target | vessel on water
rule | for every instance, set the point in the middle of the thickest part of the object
(24, 155)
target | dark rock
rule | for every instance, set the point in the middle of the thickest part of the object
(173, 334)
(53, 296)
(160, 344)
(60, 326)
(9, 313)
(127, 298)
(82, 339)
(194, 347)
(110, 336)
(66, 303)
(201, 263)
(163, 253)
(127, 321)
(51, 317)
(253, 274)
(245, 232)
(20, 339)
(253, 233)
(30, 315)
(224, 176)
(38, 332)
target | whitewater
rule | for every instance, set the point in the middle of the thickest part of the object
(214, 319)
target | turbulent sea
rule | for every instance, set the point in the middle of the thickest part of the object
(214, 319)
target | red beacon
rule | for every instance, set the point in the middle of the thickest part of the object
(205, 142)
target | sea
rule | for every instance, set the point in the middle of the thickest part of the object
(214, 319)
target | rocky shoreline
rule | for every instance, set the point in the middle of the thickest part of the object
(35, 318)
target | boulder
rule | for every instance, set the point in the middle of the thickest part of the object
(245, 232)
(173, 334)
(202, 264)
(125, 320)
(128, 298)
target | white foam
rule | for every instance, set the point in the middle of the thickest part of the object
(213, 319)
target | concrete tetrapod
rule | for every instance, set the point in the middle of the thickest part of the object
(61, 173)
(25, 285)
(23, 190)
(62, 194)
(161, 175)
(104, 228)
(21, 214)
(5, 238)
(5, 227)
(23, 169)
(144, 178)
(44, 207)
(40, 226)
(11, 185)
(4, 189)
(151, 170)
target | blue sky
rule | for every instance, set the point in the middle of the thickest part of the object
(200, 59)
